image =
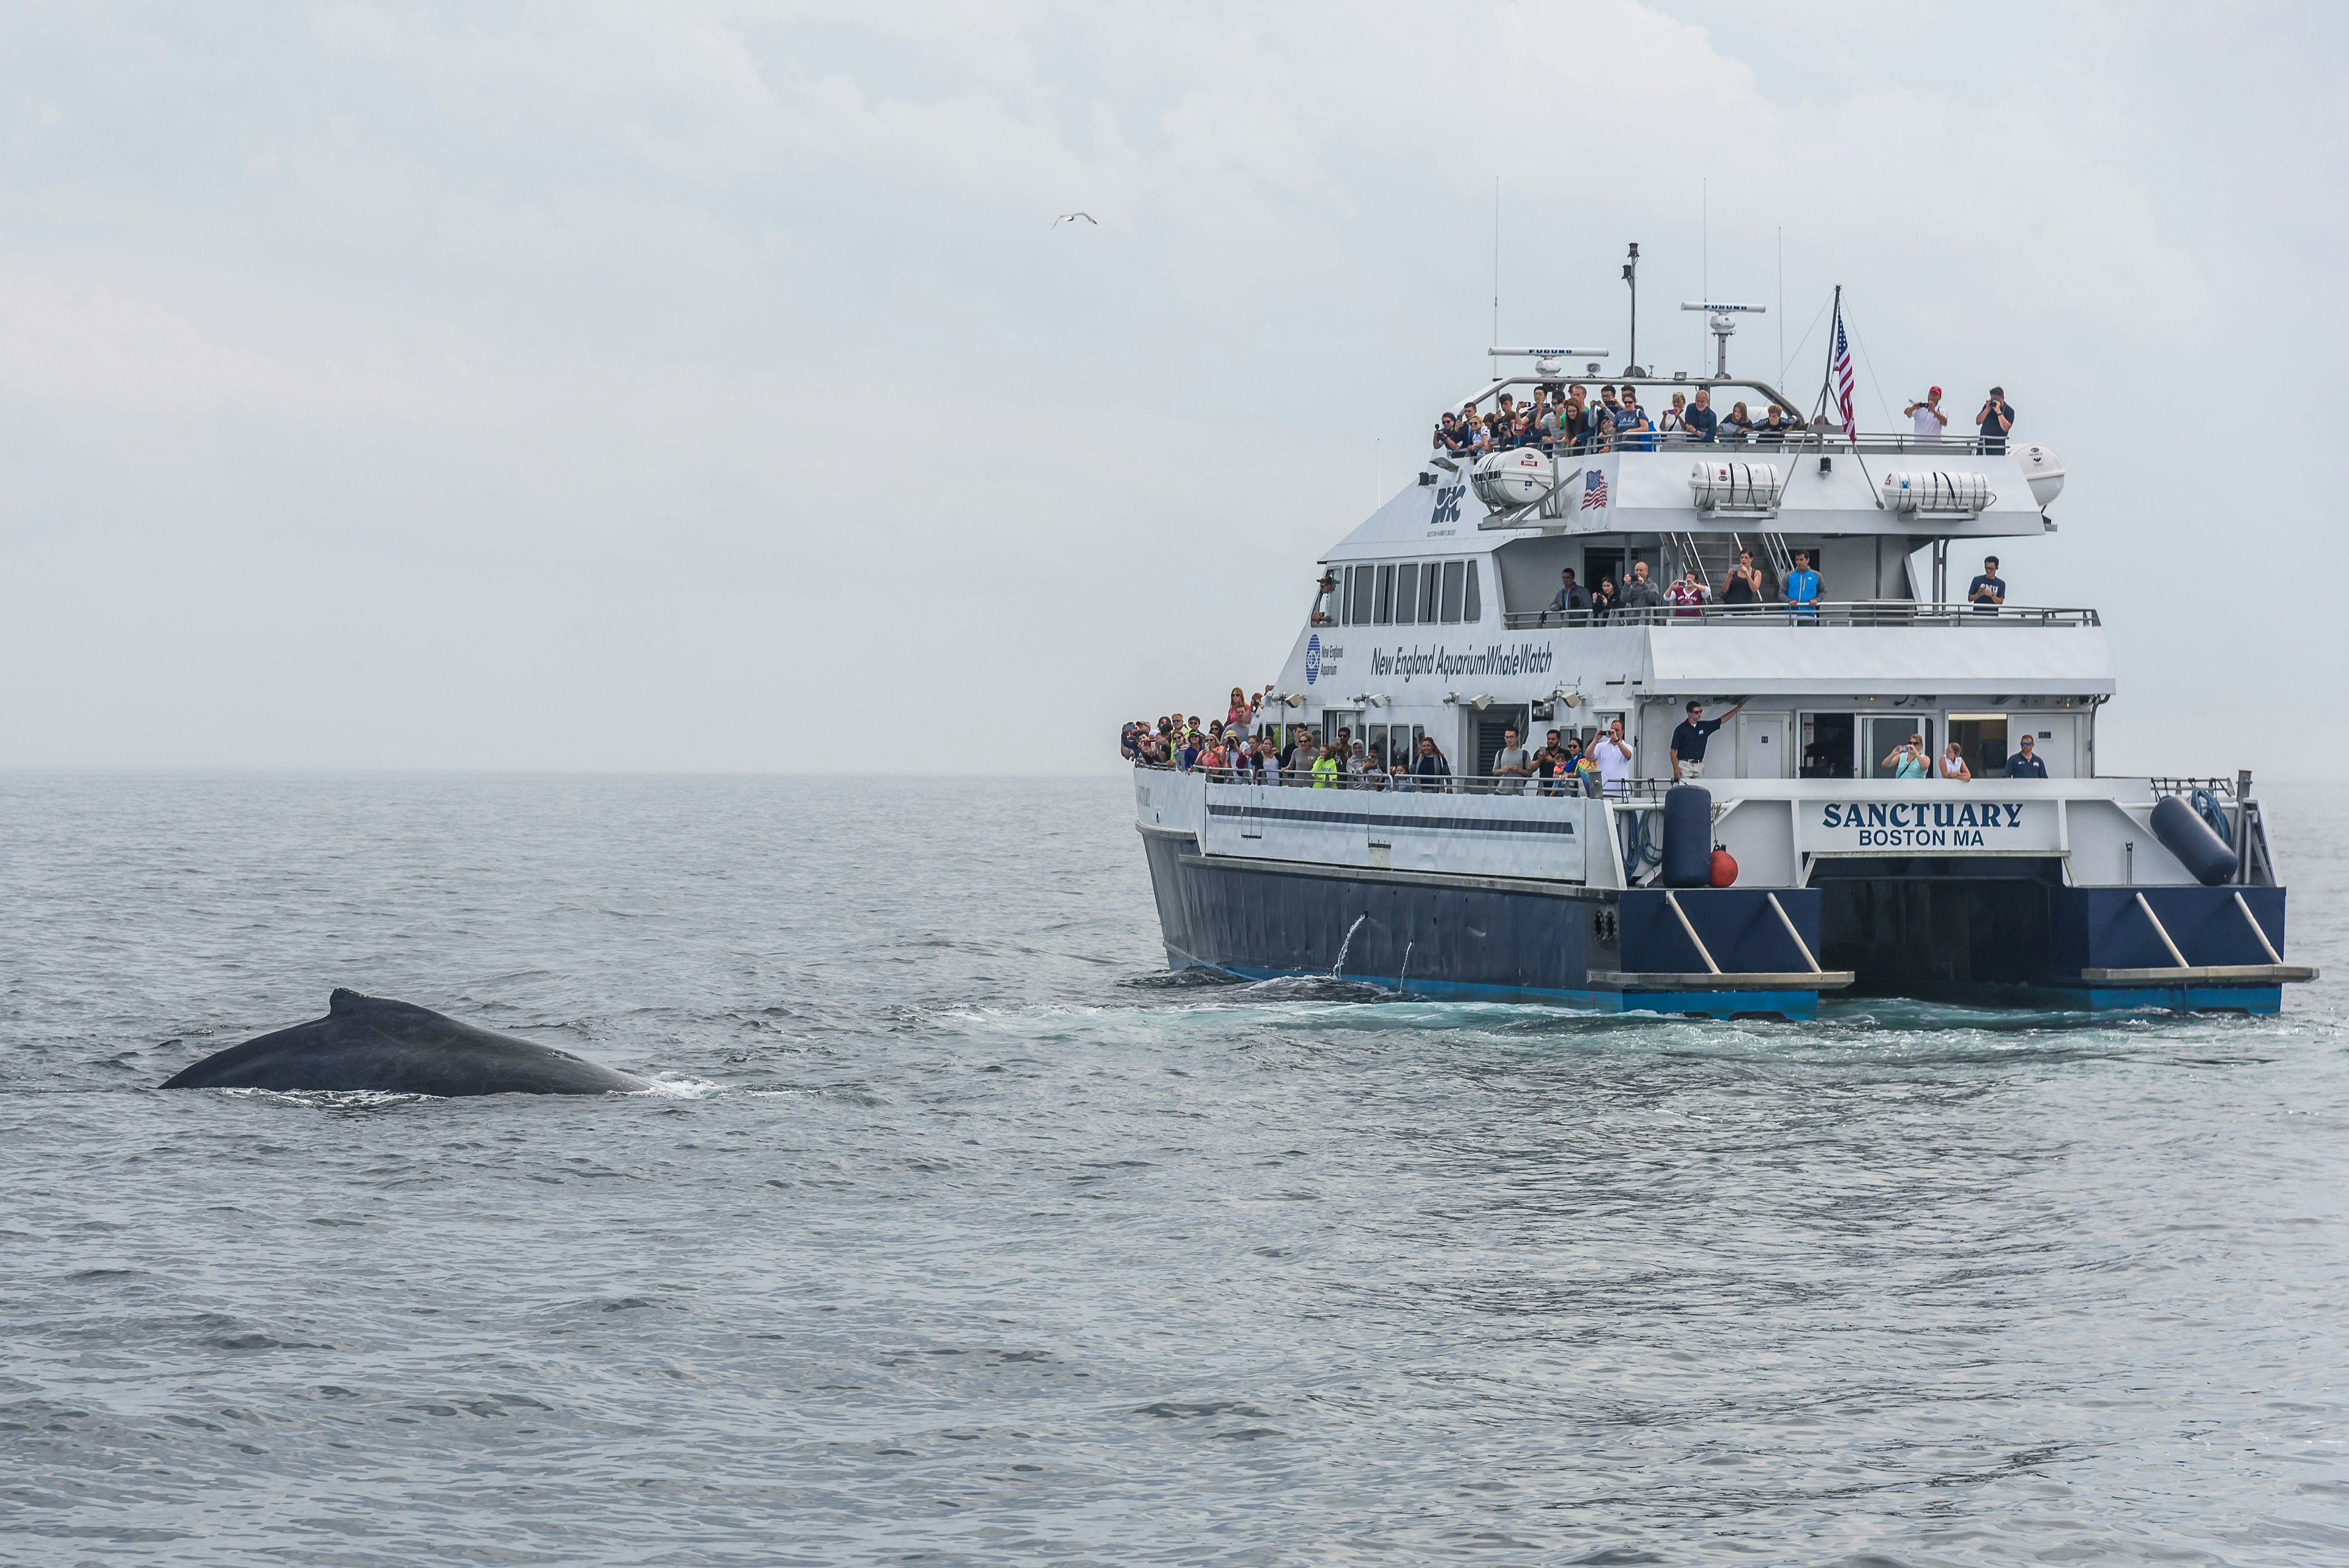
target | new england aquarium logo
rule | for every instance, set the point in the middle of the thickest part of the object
(1313, 658)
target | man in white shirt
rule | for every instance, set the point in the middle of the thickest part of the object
(1612, 755)
(1928, 416)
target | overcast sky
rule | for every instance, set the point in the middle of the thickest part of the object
(689, 387)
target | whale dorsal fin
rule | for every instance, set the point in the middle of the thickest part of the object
(345, 1000)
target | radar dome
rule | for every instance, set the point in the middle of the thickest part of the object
(2044, 470)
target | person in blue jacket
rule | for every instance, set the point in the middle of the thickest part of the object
(1803, 589)
(2024, 766)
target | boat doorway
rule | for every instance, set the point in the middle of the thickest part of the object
(1831, 743)
(1390, 744)
(1982, 741)
(1490, 725)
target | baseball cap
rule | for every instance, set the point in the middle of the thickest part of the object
(1935, 392)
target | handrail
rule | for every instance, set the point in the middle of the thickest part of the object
(2162, 784)
(1439, 783)
(1806, 439)
(1854, 612)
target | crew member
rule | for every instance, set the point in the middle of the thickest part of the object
(1691, 734)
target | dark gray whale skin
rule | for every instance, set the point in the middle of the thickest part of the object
(374, 1043)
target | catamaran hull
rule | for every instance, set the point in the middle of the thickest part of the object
(1483, 939)
(1501, 940)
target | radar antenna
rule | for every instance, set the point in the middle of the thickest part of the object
(1723, 323)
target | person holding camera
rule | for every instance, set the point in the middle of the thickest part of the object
(1907, 760)
(1926, 414)
(1996, 418)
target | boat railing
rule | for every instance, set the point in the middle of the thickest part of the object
(2164, 786)
(1857, 612)
(1420, 783)
(1830, 442)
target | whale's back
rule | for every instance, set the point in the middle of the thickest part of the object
(397, 1047)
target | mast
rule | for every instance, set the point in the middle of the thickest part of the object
(1631, 277)
(1827, 378)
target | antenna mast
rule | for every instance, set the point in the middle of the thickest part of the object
(1631, 277)
(1826, 380)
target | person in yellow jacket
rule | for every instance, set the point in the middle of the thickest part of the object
(1328, 771)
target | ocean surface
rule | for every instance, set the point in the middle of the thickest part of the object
(961, 1232)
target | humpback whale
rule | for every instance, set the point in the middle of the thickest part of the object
(375, 1043)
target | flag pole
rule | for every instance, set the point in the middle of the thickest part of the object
(1826, 380)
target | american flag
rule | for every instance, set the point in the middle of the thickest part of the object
(1594, 491)
(1842, 377)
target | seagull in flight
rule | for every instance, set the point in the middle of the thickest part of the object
(1071, 217)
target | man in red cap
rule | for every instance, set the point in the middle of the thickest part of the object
(1928, 416)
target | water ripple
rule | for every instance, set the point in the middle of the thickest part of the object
(954, 1229)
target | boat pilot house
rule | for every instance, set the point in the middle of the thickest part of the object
(1798, 747)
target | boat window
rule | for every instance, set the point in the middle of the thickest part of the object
(1886, 733)
(1354, 596)
(1431, 574)
(1384, 611)
(1454, 574)
(1475, 606)
(1406, 599)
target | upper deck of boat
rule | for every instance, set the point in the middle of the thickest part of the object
(1813, 480)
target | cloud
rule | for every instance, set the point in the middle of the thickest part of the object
(88, 344)
(466, 351)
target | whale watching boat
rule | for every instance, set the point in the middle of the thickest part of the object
(1437, 619)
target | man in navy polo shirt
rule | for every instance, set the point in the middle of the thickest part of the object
(1996, 418)
(2023, 765)
(1690, 736)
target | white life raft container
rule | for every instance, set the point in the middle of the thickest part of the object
(1961, 494)
(1505, 480)
(1735, 486)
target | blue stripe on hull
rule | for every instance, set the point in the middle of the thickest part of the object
(1789, 1004)
(2174, 997)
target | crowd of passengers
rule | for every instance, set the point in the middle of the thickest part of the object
(1614, 420)
(1228, 748)
(1573, 421)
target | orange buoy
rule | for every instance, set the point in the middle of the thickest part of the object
(1725, 866)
